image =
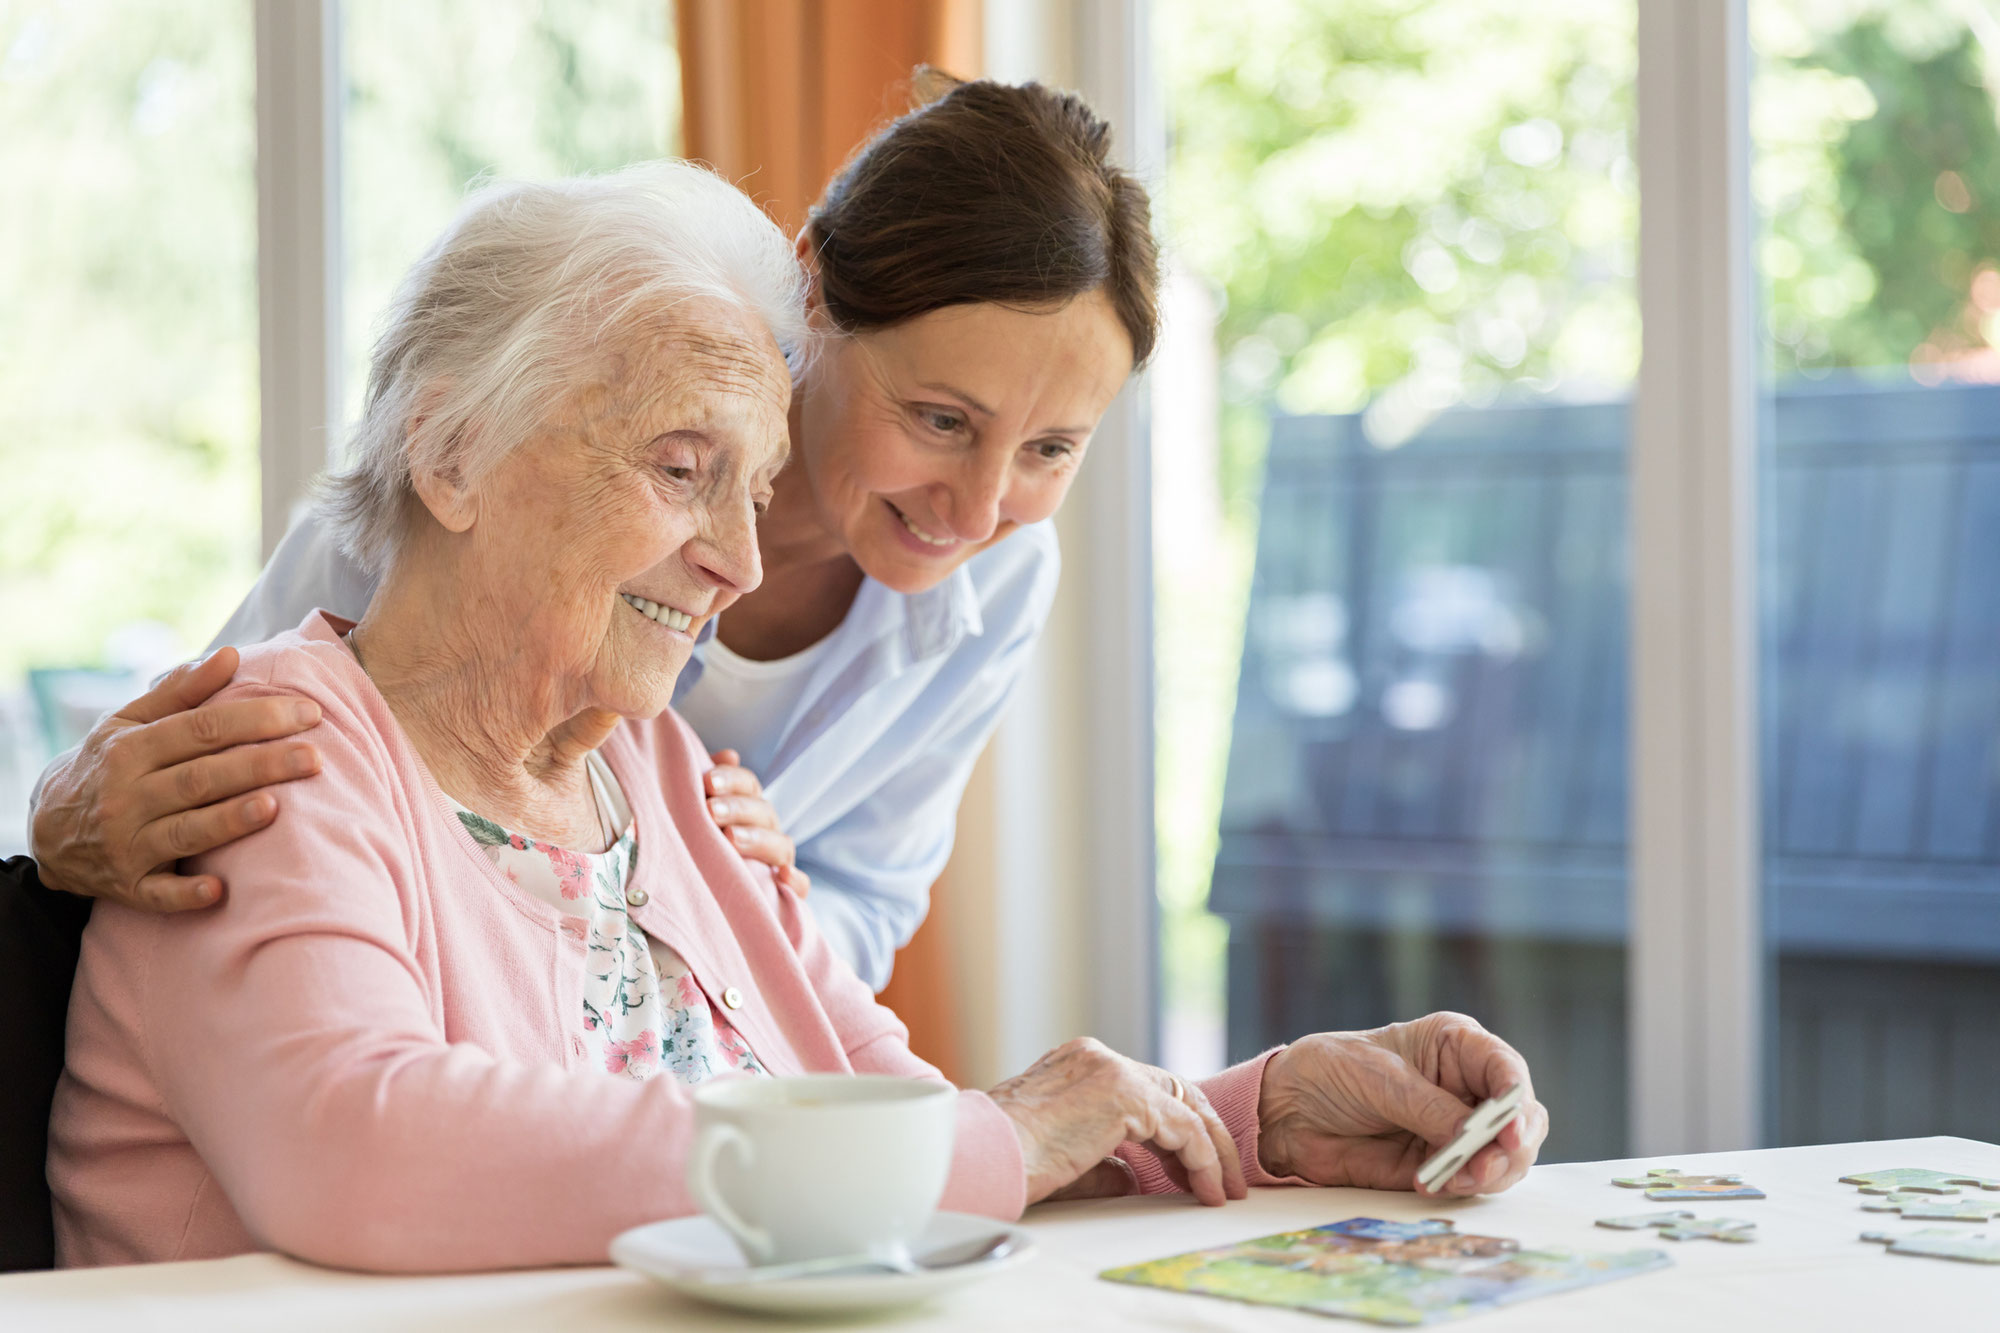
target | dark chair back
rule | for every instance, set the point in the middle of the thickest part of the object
(41, 932)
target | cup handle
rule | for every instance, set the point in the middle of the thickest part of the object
(709, 1145)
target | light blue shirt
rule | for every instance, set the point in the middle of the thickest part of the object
(867, 773)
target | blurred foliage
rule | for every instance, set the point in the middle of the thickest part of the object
(530, 88)
(1410, 205)
(128, 306)
(128, 322)
(1406, 206)
(1878, 178)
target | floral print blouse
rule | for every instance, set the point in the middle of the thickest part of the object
(642, 1011)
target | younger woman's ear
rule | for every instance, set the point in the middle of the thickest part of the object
(806, 253)
(808, 257)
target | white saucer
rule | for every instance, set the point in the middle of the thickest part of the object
(690, 1253)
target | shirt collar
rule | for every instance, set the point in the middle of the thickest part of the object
(943, 617)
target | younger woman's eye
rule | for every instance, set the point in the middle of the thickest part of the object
(1054, 450)
(945, 423)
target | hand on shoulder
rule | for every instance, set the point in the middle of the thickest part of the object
(169, 776)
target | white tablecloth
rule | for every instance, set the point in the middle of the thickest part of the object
(1808, 1268)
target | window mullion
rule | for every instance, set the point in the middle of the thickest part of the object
(1696, 939)
(298, 248)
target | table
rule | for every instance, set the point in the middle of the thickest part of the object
(1807, 1270)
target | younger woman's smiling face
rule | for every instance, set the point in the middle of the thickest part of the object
(928, 441)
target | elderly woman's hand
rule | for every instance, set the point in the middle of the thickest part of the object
(1076, 1104)
(1365, 1108)
(737, 804)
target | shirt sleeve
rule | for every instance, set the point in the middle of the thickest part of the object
(873, 868)
(307, 572)
(1234, 1093)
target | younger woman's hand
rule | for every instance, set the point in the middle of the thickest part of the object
(737, 804)
(152, 784)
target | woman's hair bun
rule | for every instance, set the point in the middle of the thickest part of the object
(986, 192)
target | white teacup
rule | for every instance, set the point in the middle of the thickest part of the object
(822, 1164)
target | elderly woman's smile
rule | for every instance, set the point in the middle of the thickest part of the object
(667, 617)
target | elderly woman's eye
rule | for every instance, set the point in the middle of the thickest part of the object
(678, 471)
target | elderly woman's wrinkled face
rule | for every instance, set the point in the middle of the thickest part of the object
(929, 441)
(603, 544)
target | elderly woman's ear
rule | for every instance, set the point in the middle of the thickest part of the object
(444, 493)
(437, 474)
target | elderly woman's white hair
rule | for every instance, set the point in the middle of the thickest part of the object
(511, 309)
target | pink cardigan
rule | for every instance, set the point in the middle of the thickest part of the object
(365, 1058)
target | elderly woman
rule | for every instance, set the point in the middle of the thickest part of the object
(450, 1016)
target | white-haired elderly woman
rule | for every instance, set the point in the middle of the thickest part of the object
(450, 1015)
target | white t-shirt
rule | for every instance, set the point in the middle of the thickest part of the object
(744, 705)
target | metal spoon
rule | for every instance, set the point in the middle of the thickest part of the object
(948, 1256)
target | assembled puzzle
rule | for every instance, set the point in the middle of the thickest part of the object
(1386, 1272)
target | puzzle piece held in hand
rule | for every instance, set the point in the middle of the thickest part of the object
(1931, 1208)
(1665, 1182)
(1939, 1243)
(1915, 1180)
(1684, 1226)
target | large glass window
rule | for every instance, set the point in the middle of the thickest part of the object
(1390, 516)
(1877, 175)
(128, 356)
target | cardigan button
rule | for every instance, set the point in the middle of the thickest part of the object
(635, 897)
(732, 998)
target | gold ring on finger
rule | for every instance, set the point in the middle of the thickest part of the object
(1180, 1089)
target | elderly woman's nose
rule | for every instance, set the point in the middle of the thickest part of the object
(728, 553)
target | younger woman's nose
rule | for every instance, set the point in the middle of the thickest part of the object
(972, 507)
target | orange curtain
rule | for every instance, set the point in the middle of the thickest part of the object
(775, 95)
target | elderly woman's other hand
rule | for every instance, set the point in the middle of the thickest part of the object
(165, 777)
(1366, 1108)
(1076, 1104)
(736, 802)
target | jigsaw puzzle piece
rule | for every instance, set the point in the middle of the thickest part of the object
(1711, 1228)
(1933, 1208)
(1915, 1180)
(1640, 1221)
(1937, 1243)
(1666, 1182)
(1684, 1225)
